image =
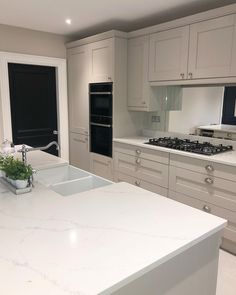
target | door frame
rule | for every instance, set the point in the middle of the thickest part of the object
(62, 100)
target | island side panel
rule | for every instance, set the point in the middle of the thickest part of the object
(192, 272)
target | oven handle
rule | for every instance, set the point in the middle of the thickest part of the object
(101, 125)
(102, 93)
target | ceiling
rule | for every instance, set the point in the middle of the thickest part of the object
(94, 16)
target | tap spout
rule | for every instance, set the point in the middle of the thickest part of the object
(25, 149)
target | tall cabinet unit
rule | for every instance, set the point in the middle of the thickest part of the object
(78, 77)
(100, 58)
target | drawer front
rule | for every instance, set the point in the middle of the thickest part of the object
(144, 153)
(144, 169)
(143, 184)
(229, 231)
(206, 167)
(217, 191)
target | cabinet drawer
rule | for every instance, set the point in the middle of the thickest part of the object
(79, 151)
(144, 169)
(206, 167)
(217, 191)
(229, 231)
(145, 153)
(141, 183)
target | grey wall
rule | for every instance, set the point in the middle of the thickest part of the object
(18, 40)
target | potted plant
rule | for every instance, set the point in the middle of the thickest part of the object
(17, 172)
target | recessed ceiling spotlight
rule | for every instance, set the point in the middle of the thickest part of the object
(68, 21)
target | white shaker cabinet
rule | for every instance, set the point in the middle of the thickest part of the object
(211, 48)
(208, 186)
(101, 166)
(101, 55)
(142, 167)
(141, 96)
(79, 151)
(168, 55)
(78, 75)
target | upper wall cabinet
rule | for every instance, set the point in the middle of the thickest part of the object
(168, 55)
(211, 48)
(101, 55)
(140, 94)
(78, 78)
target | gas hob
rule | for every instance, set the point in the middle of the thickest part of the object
(187, 145)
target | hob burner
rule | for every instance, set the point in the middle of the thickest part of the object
(187, 145)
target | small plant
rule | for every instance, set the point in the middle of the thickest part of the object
(15, 169)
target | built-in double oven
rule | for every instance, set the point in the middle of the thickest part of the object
(100, 104)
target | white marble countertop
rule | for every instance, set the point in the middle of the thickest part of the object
(220, 127)
(228, 158)
(93, 242)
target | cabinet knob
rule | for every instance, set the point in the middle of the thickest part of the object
(137, 183)
(190, 75)
(209, 168)
(209, 180)
(143, 102)
(206, 208)
(138, 152)
(109, 78)
(182, 75)
(138, 161)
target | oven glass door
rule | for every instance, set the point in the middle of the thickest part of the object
(101, 139)
(101, 105)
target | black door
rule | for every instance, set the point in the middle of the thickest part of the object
(33, 104)
(229, 106)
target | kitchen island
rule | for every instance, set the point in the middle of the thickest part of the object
(117, 239)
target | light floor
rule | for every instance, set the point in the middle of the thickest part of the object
(226, 284)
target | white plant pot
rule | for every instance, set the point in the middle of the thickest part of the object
(21, 183)
(2, 173)
(12, 181)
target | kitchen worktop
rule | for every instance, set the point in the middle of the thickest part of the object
(93, 242)
(228, 158)
(220, 127)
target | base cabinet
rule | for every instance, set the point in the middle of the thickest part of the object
(197, 183)
(79, 151)
(101, 166)
(121, 177)
(142, 167)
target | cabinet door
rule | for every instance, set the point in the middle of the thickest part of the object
(79, 151)
(78, 70)
(101, 166)
(168, 55)
(210, 52)
(233, 64)
(101, 55)
(138, 92)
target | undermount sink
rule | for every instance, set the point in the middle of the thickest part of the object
(79, 185)
(68, 180)
(59, 174)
